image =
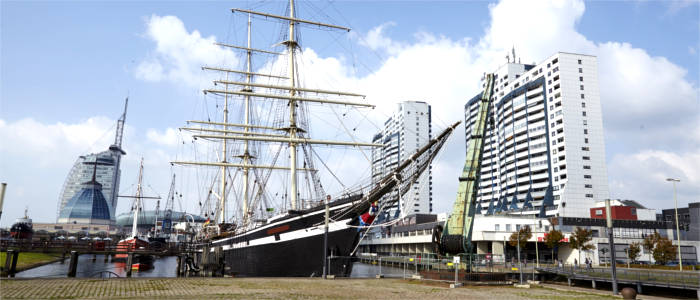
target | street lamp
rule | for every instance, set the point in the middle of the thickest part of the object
(678, 232)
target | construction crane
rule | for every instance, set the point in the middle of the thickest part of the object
(456, 238)
(169, 203)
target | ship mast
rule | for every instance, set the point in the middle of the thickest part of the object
(137, 202)
(293, 135)
(246, 153)
(291, 48)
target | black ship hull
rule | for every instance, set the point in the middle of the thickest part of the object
(293, 246)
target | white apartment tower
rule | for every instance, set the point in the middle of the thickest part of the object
(404, 133)
(544, 132)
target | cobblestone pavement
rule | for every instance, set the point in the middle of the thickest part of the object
(266, 288)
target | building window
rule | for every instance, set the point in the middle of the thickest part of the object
(589, 195)
(498, 227)
(584, 167)
(598, 212)
(585, 140)
(588, 186)
(579, 61)
(585, 122)
(586, 158)
(580, 70)
(582, 87)
(583, 97)
(587, 176)
(583, 104)
(585, 149)
(583, 113)
(580, 78)
(508, 227)
(585, 131)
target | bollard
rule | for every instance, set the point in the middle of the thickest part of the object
(639, 288)
(63, 257)
(129, 262)
(13, 268)
(73, 265)
(593, 284)
(569, 281)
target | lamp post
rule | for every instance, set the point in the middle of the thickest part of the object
(520, 263)
(678, 232)
(611, 241)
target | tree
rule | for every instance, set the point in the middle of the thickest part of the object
(663, 251)
(553, 239)
(650, 242)
(633, 252)
(524, 234)
(579, 240)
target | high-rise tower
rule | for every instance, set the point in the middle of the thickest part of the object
(403, 134)
(544, 143)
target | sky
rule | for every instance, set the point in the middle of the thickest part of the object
(66, 67)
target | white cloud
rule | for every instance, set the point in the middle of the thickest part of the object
(179, 54)
(169, 137)
(648, 101)
(642, 175)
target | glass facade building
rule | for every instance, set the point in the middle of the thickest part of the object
(107, 175)
(87, 206)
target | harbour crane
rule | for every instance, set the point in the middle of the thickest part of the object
(456, 238)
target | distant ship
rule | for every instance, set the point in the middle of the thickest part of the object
(22, 229)
(280, 229)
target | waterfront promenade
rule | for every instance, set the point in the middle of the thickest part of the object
(271, 288)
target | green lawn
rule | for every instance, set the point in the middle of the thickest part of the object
(28, 259)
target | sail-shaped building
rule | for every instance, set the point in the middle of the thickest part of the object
(105, 167)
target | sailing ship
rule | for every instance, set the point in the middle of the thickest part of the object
(139, 262)
(307, 237)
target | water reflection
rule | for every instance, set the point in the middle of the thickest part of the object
(363, 270)
(165, 267)
(162, 267)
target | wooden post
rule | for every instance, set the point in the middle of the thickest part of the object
(178, 271)
(129, 262)
(73, 265)
(8, 263)
(13, 268)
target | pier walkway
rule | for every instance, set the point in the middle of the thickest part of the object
(687, 280)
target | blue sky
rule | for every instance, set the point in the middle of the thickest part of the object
(67, 66)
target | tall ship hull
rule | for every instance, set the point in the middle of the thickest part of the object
(293, 245)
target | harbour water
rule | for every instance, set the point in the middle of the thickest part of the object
(165, 267)
(162, 267)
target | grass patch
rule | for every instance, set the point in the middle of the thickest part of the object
(26, 259)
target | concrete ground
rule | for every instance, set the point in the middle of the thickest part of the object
(274, 288)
